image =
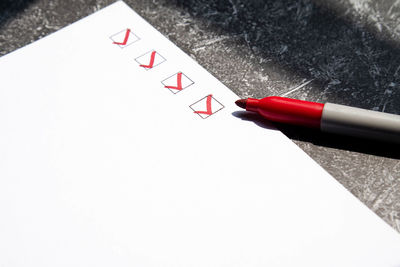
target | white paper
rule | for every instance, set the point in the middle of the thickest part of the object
(101, 164)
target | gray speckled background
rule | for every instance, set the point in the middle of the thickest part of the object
(341, 51)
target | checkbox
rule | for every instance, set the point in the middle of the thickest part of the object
(124, 38)
(206, 106)
(150, 60)
(177, 82)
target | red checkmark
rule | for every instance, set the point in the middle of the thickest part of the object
(153, 55)
(179, 83)
(209, 111)
(128, 31)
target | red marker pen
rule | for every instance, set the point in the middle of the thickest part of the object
(328, 117)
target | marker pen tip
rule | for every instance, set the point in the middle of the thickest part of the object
(241, 103)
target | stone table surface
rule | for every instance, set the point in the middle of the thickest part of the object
(340, 51)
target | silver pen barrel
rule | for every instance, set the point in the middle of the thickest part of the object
(359, 122)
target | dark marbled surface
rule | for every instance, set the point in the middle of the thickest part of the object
(341, 51)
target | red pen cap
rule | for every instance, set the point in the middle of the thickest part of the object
(287, 110)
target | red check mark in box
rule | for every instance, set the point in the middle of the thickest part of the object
(206, 106)
(177, 82)
(150, 60)
(124, 38)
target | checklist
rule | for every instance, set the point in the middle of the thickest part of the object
(206, 106)
(150, 60)
(129, 153)
(177, 82)
(124, 38)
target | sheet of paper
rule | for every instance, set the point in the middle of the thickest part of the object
(117, 149)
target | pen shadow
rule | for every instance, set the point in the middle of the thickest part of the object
(347, 143)
(255, 118)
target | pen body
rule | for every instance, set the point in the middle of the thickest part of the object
(287, 110)
(329, 117)
(360, 122)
